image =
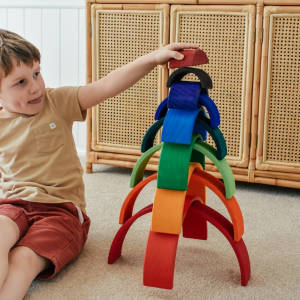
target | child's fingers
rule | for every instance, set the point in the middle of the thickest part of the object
(181, 46)
(177, 55)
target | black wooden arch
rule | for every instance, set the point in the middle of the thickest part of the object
(177, 75)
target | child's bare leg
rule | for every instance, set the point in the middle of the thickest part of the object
(24, 266)
(9, 235)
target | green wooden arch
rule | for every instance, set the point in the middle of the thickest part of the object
(199, 146)
(138, 171)
(222, 166)
(174, 162)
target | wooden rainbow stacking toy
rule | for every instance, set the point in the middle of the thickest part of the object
(180, 198)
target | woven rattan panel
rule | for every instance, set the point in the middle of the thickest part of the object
(222, 37)
(283, 126)
(123, 37)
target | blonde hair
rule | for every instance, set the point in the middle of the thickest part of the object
(14, 48)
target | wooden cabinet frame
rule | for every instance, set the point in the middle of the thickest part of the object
(251, 167)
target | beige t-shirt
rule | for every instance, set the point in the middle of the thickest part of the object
(38, 158)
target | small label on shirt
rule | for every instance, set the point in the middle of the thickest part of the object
(52, 125)
(80, 215)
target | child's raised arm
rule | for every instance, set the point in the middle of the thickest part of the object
(126, 76)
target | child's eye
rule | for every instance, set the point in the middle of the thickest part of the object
(20, 82)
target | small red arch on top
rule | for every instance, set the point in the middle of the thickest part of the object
(191, 58)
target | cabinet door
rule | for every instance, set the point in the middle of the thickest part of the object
(121, 34)
(226, 34)
(279, 104)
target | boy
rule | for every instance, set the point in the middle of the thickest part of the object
(43, 225)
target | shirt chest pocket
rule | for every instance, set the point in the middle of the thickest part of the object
(48, 137)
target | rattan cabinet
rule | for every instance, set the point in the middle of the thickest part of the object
(278, 151)
(253, 49)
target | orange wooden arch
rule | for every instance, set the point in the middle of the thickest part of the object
(199, 177)
(168, 206)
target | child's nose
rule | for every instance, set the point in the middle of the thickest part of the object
(34, 87)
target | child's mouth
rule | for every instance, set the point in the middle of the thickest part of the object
(36, 100)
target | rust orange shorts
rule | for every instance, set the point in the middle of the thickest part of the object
(51, 230)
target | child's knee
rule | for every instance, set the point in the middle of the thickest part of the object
(23, 258)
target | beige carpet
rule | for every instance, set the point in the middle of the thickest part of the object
(204, 269)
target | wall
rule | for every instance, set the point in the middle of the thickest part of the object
(57, 29)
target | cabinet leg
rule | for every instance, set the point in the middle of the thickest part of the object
(88, 168)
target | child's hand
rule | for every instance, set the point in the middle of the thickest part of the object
(163, 55)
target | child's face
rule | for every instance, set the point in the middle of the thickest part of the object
(22, 91)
